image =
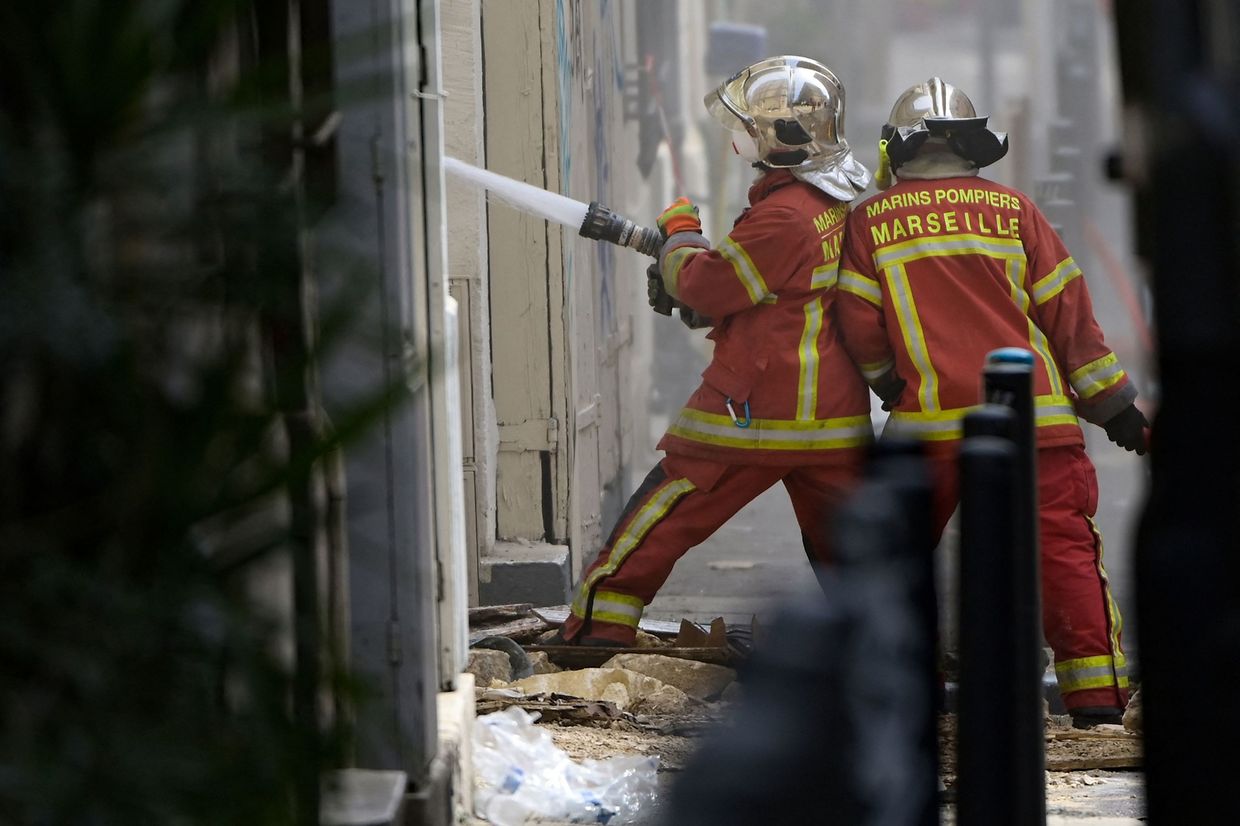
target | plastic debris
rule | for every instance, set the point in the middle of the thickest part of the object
(522, 777)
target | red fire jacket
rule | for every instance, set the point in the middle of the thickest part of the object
(937, 273)
(780, 388)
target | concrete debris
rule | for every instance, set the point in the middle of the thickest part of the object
(1133, 719)
(517, 656)
(701, 681)
(628, 690)
(551, 708)
(645, 640)
(734, 693)
(540, 664)
(487, 665)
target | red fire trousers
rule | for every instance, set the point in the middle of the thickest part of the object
(679, 505)
(1081, 621)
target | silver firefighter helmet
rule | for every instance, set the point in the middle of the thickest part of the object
(937, 109)
(793, 110)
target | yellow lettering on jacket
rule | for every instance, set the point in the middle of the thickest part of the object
(831, 247)
(896, 200)
(825, 221)
(936, 223)
(976, 195)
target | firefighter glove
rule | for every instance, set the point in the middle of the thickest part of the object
(693, 319)
(889, 387)
(657, 296)
(1128, 429)
(680, 216)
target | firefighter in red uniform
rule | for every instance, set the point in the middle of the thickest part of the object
(780, 401)
(942, 268)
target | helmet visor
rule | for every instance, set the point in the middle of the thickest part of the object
(726, 104)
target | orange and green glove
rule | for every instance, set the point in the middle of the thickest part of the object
(681, 216)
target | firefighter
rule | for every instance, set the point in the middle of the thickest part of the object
(780, 400)
(941, 268)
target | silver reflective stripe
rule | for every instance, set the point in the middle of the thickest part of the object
(1094, 382)
(899, 425)
(858, 284)
(874, 371)
(825, 277)
(1050, 286)
(952, 245)
(603, 605)
(1049, 409)
(721, 430)
(914, 341)
(735, 254)
(807, 391)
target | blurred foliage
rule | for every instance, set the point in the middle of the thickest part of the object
(150, 285)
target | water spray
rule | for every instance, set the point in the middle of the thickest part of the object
(594, 221)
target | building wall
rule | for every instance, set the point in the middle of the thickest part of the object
(558, 334)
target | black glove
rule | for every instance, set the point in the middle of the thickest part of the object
(889, 387)
(1127, 429)
(658, 297)
(692, 318)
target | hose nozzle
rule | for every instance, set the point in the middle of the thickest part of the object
(601, 224)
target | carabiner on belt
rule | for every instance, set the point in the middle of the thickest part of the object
(732, 412)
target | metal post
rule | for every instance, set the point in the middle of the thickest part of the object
(901, 465)
(1008, 380)
(988, 762)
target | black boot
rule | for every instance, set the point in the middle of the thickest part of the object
(1088, 716)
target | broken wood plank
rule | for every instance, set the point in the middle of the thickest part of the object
(511, 611)
(1100, 736)
(692, 636)
(520, 630)
(556, 615)
(587, 656)
(554, 708)
(1071, 764)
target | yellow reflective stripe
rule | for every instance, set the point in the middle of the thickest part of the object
(1037, 339)
(1116, 620)
(771, 299)
(773, 434)
(1052, 285)
(861, 286)
(672, 265)
(914, 336)
(622, 609)
(609, 602)
(807, 383)
(825, 276)
(735, 255)
(894, 255)
(643, 521)
(1098, 375)
(931, 426)
(1091, 672)
(875, 369)
(944, 425)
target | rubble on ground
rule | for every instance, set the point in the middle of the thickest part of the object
(702, 681)
(658, 696)
(1133, 718)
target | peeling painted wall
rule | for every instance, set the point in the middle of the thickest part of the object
(559, 342)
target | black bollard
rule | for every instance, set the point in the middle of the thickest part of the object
(990, 787)
(1007, 379)
(901, 464)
